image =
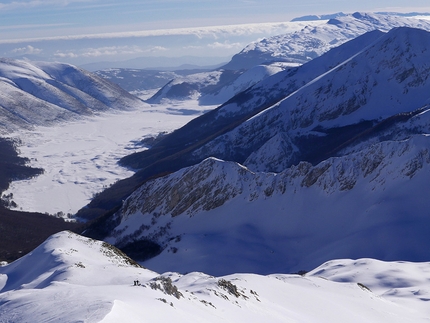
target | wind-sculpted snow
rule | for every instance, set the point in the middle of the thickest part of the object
(70, 278)
(220, 217)
(47, 93)
(394, 281)
(49, 283)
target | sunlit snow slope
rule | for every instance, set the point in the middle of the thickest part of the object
(37, 93)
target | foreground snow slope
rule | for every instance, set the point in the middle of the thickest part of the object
(402, 282)
(74, 279)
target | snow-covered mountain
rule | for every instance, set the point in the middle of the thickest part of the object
(334, 165)
(310, 42)
(70, 278)
(249, 103)
(291, 49)
(387, 78)
(215, 87)
(219, 217)
(137, 80)
(37, 93)
(143, 80)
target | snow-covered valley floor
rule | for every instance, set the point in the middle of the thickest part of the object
(80, 158)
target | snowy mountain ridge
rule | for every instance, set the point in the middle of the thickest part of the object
(71, 278)
(383, 80)
(48, 93)
(310, 42)
(200, 200)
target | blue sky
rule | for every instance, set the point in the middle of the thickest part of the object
(83, 31)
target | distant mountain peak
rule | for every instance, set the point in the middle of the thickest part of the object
(319, 17)
(278, 53)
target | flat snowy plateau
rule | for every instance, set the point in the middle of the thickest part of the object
(70, 278)
(80, 157)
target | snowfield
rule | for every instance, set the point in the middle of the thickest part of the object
(70, 278)
(80, 158)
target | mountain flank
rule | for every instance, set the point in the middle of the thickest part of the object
(173, 152)
(324, 161)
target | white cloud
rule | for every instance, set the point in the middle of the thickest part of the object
(66, 55)
(33, 26)
(108, 51)
(26, 50)
(157, 49)
(215, 32)
(38, 3)
(225, 45)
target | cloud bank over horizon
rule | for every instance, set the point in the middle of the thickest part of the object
(88, 31)
(213, 41)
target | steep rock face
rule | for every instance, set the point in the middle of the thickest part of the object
(269, 222)
(203, 187)
(45, 93)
